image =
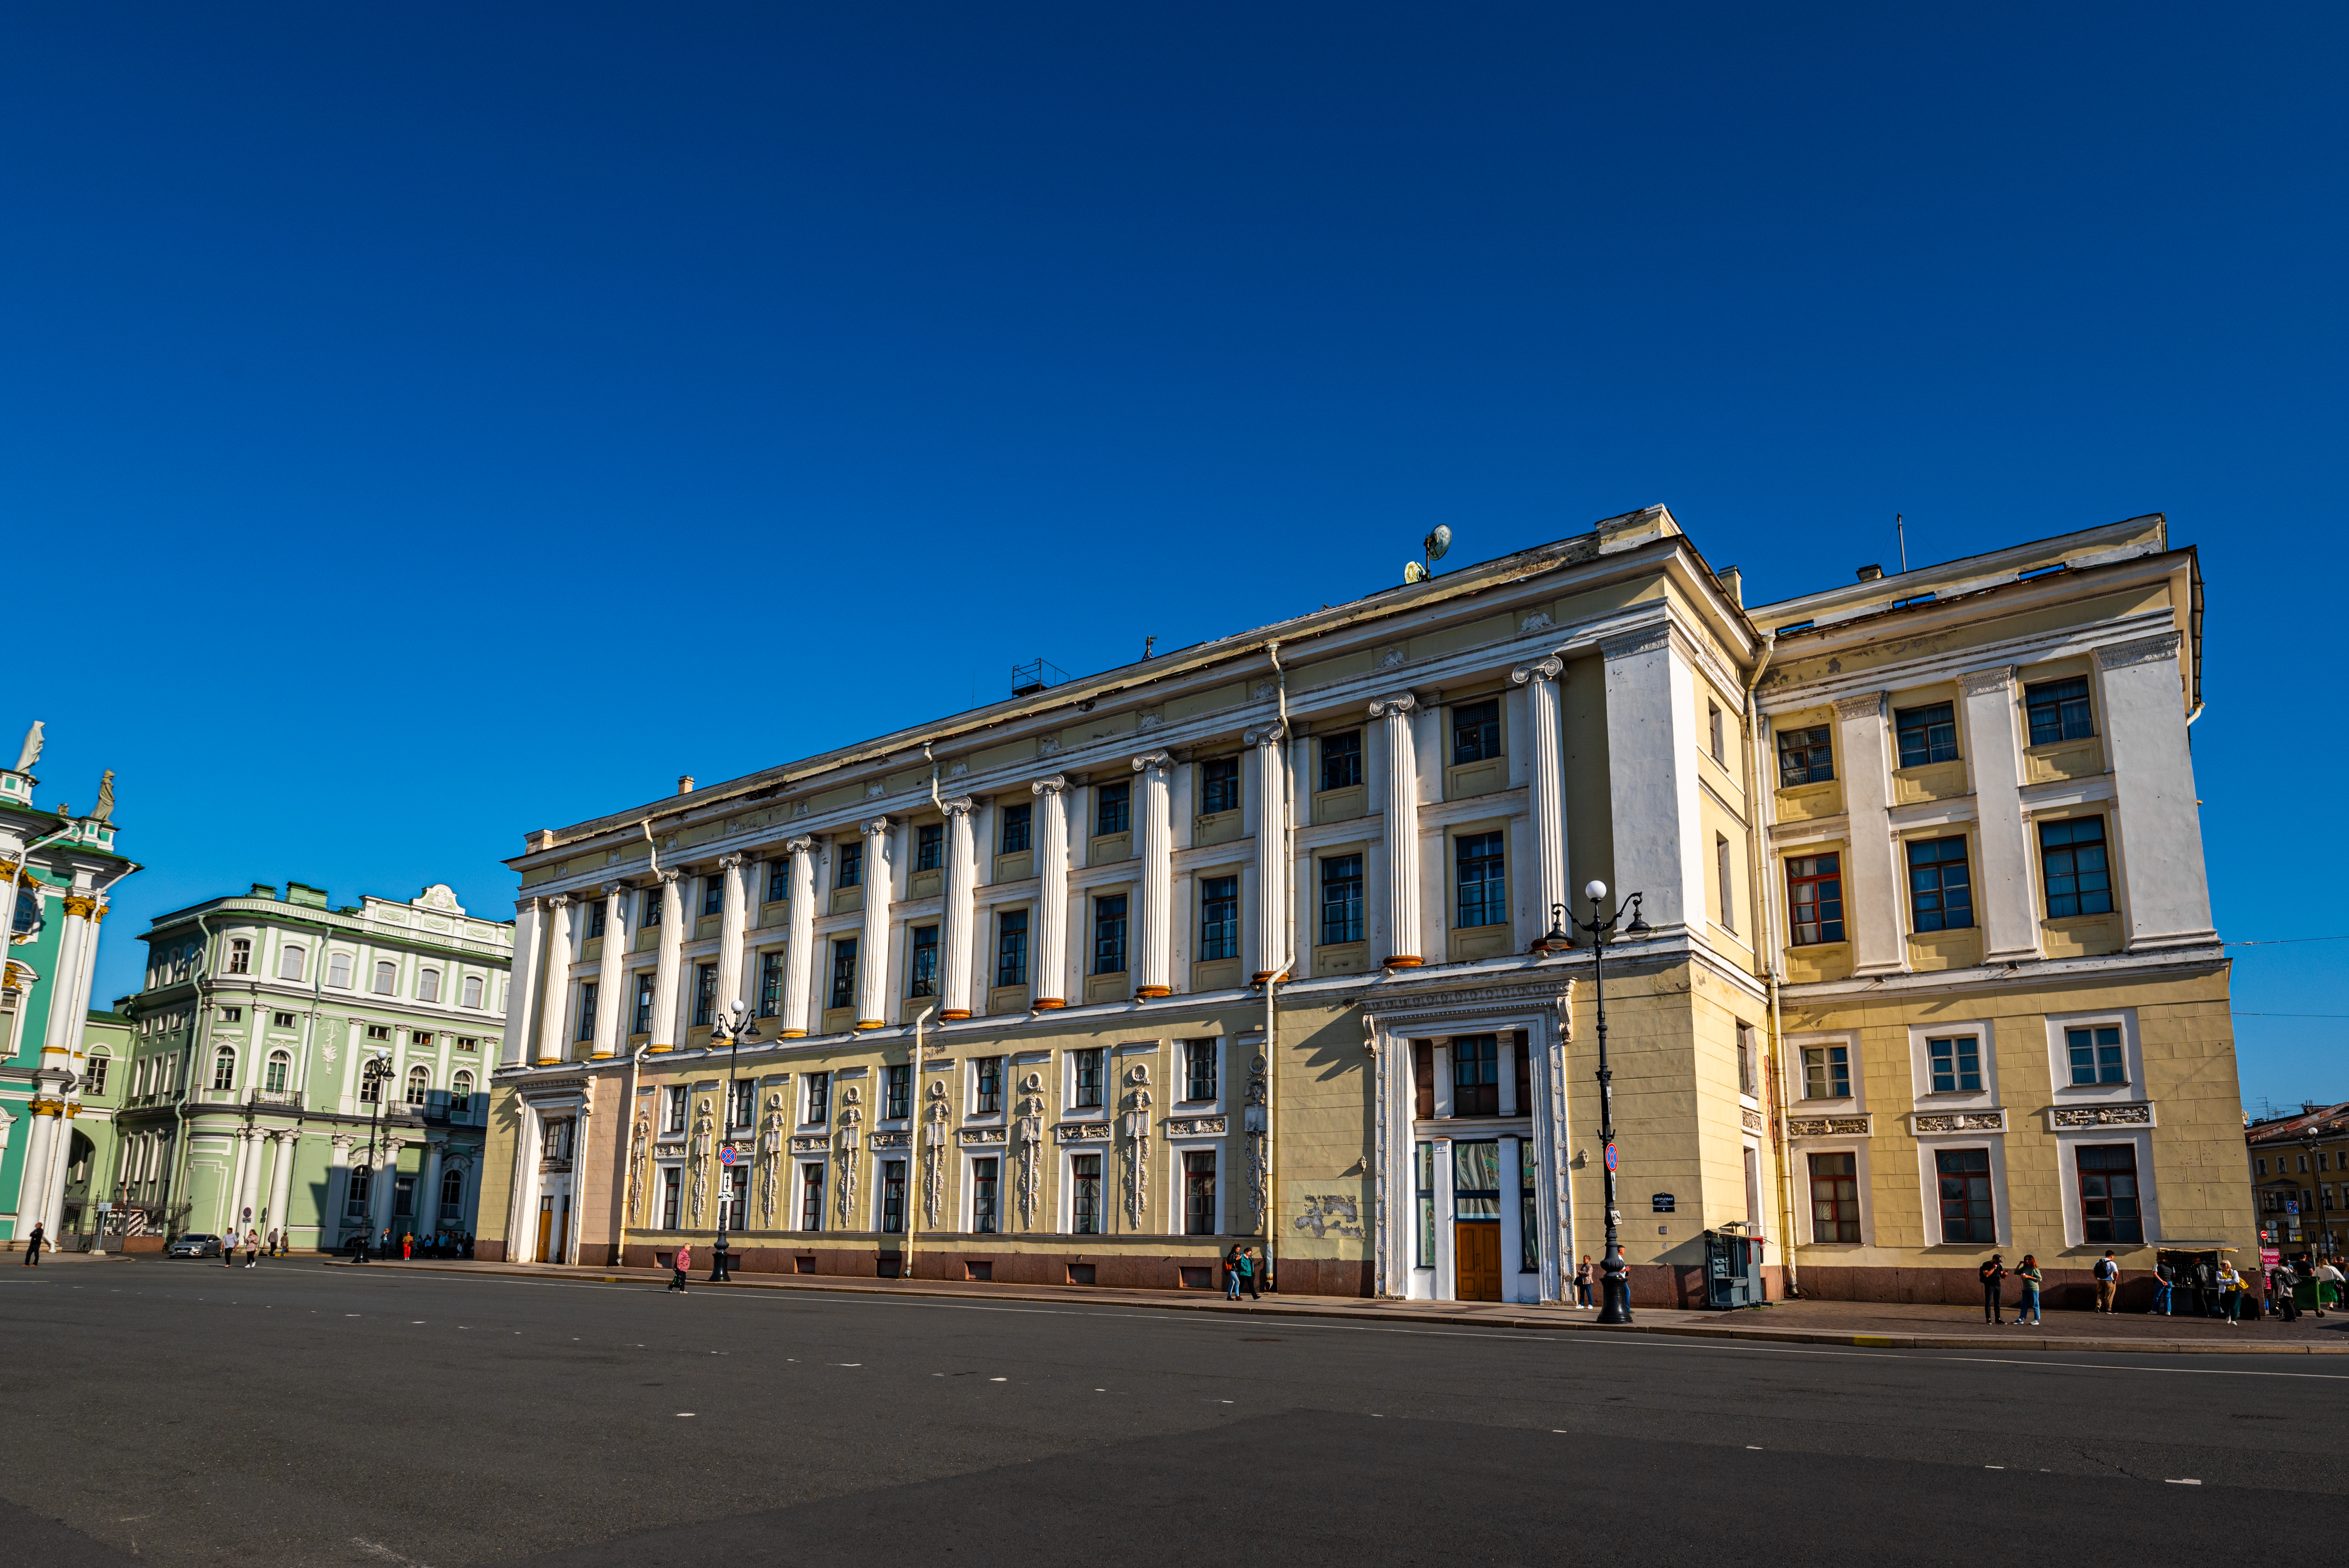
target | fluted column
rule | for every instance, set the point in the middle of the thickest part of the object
(233, 1194)
(387, 1175)
(1051, 969)
(1271, 853)
(798, 945)
(1394, 713)
(280, 1188)
(428, 1196)
(337, 1219)
(873, 942)
(611, 969)
(556, 994)
(248, 1200)
(1157, 876)
(962, 887)
(732, 905)
(522, 991)
(1541, 680)
(672, 950)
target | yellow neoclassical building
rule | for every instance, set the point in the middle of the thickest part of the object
(1252, 943)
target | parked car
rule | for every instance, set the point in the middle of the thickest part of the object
(194, 1245)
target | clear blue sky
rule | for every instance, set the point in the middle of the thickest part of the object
(426, 424)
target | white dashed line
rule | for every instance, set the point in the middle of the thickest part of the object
(2188, 1481)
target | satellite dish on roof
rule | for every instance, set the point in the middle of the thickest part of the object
(1438, 540)
(1412, 571)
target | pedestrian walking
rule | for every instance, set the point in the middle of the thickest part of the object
(1993, 1276)
(2204, 1281)
(253, 1247)
(2165, 1277)
(2108, 1282)
(228, 1248)
(683, 1264)
(1582, 1281)
(2230, 1286)
(1232, 1275)
(2027, 1272)
(33, 1245)
(1251, 1272)
(276, 1248)
(2286, 1283)
(2329, 1281)
(408, 1245)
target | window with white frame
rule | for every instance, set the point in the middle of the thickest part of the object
(1827, 1072)
(338, 969)
(289, 962)
(386, 977)
(471, 992)
(428, 985)
(1956, 1063)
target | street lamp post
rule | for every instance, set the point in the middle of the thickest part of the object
(1614, 1283)
(733, 1024)
(374, 1073)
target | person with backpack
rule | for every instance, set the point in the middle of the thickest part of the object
(2286, 1279)
(1994, 1277)
(1232, 1273)
(2028, 1272)
(2108, 1282)
(683, 1263)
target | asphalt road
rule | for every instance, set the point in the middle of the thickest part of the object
(296, 1414)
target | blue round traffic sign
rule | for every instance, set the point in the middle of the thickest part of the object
(1610, 1156)
(726, 1157)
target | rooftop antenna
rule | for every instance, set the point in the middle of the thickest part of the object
(1903, 534)
(1438, 540)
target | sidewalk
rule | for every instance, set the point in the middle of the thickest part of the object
(1880, 1325)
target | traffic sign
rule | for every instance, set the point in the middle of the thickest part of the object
(726, 1157)
(1610, 1156)
(2291, 1208)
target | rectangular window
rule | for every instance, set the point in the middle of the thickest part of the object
(1198, 1070)
(843, 972)
(1725, 888)
(1476, 1180)
(1528, 1226)
(1114, 807)
(893, 1197)
(923, 980)
(1011, 947)
(1745, 1059)
(2072, 855)
(1109, 934)
(1084, 1210)
(375, 1031)
(983, 1185)
(1088, 1079)
(713, 895)
(850, 871)
(1827, 1072)
(386, 978)
(471, 990)
(1219, 785)
(1198, 1192)
(586, 1030)
(734, 1196)
(1481, 880)
(1475, 1075)
(987, 1085)
(1835, 1197)
(898, 1091)
(338, 971)
(599, 916)
(428, 986)
(705, 994)
(1714, 729)
(1964, 1175)
(1957, 1065)
(673, 1109)
(742, 1103)
(1815, 898)
(2095, 1055)
(1804, 757)
(2108, 1200)
(672, 1191)
(289, 963)
(778, 881)
(811, 1197)
(240, 956)
(2059, 710)
(1927, 734)
(652, 910)
(642, 1023)
(1424, 1179)
(818, 1109)
(1475, 732)
(1341, 899)
(1018, 822)
(1940, 896)
(1219, 917)
(770, 985)
(929, 846)
(1342, 761)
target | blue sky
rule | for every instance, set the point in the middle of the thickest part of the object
(424, 424)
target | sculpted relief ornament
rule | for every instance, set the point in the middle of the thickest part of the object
(1029, 1137)
(699, 1155)
(1136, 1153)
(852, 1117)
(1259, 1176)
(640, 1150)
(937, 1113)
(771, 1158)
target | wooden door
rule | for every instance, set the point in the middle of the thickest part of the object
(545, 1227)
(1476, 1253)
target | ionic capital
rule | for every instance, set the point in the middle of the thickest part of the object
(1393, 707)
(800, 846)
(1549, 669)
(729, 862)
(1153, 762)
(1272, 734)
(560, 901)
(874, 828)
(960, 808)
(1052, 786)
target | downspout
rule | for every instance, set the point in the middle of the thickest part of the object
(1768, 953)
(1288, 962)
(196, 1036)
(627, 1136)
(913, 1065)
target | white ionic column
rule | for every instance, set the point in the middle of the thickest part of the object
(1157, 876)
(962, 888)
(872, 939)
(1652, 763)
(337, 1219)
(1049, 972)
(1547, 777)
(798, 945)
(732, 907)
(250, 1197)
(522, 991)
(611, 969)
(232, 1190)
(2003, 881)
(1395, 715)
(555, 996)
(671, 950)
(2166, 894)
(1271, 853)
(1874, 880)
(281, 1187)
(387, 1175)
(428, 1199)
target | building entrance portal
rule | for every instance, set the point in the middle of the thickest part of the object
(1477, 1248)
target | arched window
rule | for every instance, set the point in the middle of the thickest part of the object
(338, 969)
(420, 1083)
(386, 977)
(289, 963)
(99, 1063)
(357, 1202)
(428, 986)
(472, 990)
(452, 1195)
(240, 956)
(461, 1086)
(224, 1067)
(280, 1065)
(370, 1089)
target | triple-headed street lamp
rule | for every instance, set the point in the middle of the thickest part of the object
(374, 1073)
(1614, 1285)
(734, 1024)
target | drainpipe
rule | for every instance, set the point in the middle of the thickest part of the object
(627, 1136)
(1765, 935)
(197, 1035)
(913, 1137)
(1272, 983)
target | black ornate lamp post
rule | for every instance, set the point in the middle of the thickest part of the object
(374, 1072)
(1614, 1285)
(733, 1024)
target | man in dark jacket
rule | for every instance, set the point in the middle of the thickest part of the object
(1993, 1280)
(33, 1245)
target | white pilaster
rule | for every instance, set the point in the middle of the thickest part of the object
(521, 990)
(1546, 775)
(1271, 853)
(249, 1199)
(281, 1186)
(387, 1174)
(2168, 894)
(2002, 882)
(554, 998)
(671, 950)
(873, 966)
(611, 971)
(337, 1219)
(1652, 776)
(1050, 968)
(962, 887)
(1401, 797)
(1873, 879)
(799, 946)
(1156, 958)
(733, 903)
(428, 1199)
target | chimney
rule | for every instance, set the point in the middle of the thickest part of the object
(685, 783)
(1871, 574)
(1733, 583)
(542, 840)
